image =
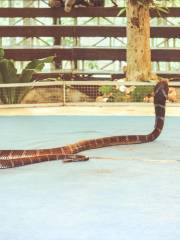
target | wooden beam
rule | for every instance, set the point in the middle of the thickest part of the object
(62, 31)
(26, 54)
(76, 12)
(166, 55)
(165, 32)
(96, 75)
(82, 31)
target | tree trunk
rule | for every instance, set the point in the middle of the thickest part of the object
(138, 46)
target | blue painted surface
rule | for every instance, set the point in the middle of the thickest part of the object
(136, 196)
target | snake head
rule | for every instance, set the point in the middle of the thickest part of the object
(161, 92)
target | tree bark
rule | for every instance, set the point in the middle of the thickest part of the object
(138, 46)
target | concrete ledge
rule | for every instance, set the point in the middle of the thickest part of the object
(126, 109)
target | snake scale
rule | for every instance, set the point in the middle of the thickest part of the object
(69, 153)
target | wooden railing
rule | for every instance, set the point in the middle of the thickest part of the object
(83, 53)
(82, 31)
(77, 12)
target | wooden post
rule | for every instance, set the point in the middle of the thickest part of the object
(138, 46)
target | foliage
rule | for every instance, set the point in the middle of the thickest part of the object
(105, 90)
(118, 96)
(158, 5)
(140, 92)
(8, 74)
(115, 95)
(150, 2)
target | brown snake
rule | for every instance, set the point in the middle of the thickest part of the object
(16, 158)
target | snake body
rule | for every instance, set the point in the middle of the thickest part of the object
(69, 153)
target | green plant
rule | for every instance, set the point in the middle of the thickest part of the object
(105, 90)
(113, 94)
(136, 95)
(118, 96)
(140, 92)
(159, 5)
(8, 74)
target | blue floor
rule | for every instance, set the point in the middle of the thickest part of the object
(122, 193)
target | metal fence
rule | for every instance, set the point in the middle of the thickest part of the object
(80, 92)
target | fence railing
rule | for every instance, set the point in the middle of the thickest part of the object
(76, 12)
(88, 53)
(78, 92)
(83, 31)
(76, 54)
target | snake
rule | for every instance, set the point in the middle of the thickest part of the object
(70, 153)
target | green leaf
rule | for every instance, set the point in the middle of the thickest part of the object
(32, 67)
(105, 89)
(8, 71)
(38, 64)
(26, 75)
(1, 78)
(1, 52)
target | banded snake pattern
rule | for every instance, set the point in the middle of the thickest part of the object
(69, 153)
